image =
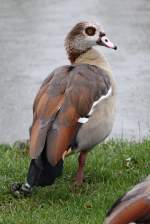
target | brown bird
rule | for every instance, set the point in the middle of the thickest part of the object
(132, 207)
(74, 109)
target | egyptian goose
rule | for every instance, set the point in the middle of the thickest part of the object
(74, 108)
(133, 207)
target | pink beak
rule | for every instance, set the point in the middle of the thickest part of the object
(107, 43)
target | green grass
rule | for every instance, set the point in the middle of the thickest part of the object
(108, 175)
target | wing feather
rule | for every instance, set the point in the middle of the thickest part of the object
(134, 206)
(130, 211)
(65, 98)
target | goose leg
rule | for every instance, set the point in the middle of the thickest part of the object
(79, 179)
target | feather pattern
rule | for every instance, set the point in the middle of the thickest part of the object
(66, 96)
(134, 206)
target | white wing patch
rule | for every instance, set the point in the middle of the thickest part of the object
(84, 120)
(100, 99)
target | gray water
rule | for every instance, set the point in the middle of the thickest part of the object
(31, 46)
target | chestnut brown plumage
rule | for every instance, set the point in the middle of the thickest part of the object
(74, 101)
(68, 96)
(134, 206)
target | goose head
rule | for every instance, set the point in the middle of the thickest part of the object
(83, 37)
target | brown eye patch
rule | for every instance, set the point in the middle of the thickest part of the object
(90, 31)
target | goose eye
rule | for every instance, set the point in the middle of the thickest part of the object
(90, 31)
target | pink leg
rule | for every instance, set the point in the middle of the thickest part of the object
(80, 172)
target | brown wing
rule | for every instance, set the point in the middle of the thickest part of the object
(46, 105)
(42, 89)
(130, 211)
(56, 115)
(134, 206)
